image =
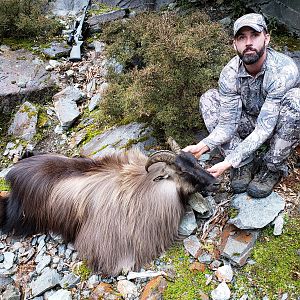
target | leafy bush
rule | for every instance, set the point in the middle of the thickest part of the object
(25, 18)
(169, 61)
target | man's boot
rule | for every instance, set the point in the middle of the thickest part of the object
(263, 182)
(241, 177)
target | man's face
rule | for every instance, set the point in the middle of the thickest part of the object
(250, 44)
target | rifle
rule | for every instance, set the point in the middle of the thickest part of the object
(76, 36)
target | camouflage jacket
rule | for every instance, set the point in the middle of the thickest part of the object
(259, 96)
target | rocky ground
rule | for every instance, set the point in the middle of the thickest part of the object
(219, 230)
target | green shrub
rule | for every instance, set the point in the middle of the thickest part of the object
(25, 19)
(169, 61)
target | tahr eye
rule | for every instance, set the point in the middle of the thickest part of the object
(161, 177)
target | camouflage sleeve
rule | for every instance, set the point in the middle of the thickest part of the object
(230, 109)
(268, 116)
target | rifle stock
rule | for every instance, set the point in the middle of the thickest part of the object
(75, 54)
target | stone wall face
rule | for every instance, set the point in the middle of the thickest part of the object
(286, 11)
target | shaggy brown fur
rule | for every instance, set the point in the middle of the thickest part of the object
(118, 215)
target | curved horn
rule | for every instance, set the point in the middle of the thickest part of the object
(173, 145)
(160, 156)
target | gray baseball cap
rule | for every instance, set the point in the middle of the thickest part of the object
(255, 21)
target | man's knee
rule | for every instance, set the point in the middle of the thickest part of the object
(291, 101)
(209, 100)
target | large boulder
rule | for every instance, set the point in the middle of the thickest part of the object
(23, 76)
(118, 138)
(285, 11)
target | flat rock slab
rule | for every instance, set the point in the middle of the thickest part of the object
(22, 74)
(116, 139)
(236, 244)
(256, 213)
(96, 21)
(57, 50)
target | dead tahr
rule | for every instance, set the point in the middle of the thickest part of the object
(120, 211)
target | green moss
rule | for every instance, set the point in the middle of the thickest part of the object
(132, 142)
(277, 264)
(42, 119)
(102, 9)
(83, 271)
(187, 284)
(100, 149)
(232, 212)
(4, 185)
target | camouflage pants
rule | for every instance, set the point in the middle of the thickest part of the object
(286, 135)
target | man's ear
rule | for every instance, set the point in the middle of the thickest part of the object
(233, 44)
(267, 39)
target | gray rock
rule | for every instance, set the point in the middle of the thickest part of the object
(16, 66)
(99, 47)
(8, 260)
(256, 213)
(96, 99)
(11, 293)
(5, 281)
(66, 7)
(61, 295)
(192, 245)
(222, 292)
(139, 5)
(113, 65)
(239, 244)
(57, 49)
(285, 11)
(44, 262)
(94, 102)
(127, 288)
(203, 206)
(225, 21)
(49, 279)
(24, 123)
(65, 105)
(61, 250)
(91, 86)
(96, 21)
(4, 172)
(93, 281)
(205, 258)
(278, 225)
(69, 280)
(224, 273)
(54, 63)
(188, 223)
(115, 139)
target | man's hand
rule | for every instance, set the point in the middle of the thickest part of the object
(196, 150)
(219, 168)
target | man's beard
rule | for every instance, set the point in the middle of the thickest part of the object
(249, 59)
